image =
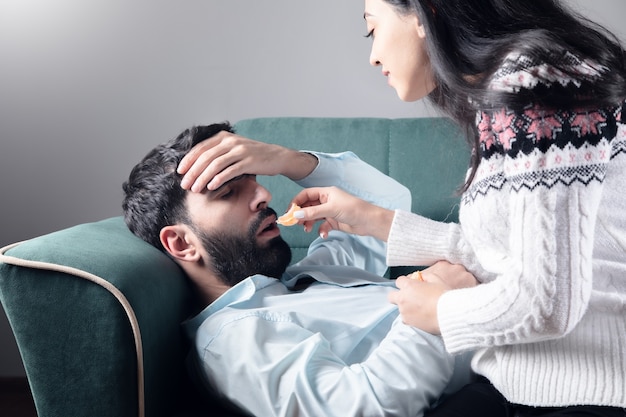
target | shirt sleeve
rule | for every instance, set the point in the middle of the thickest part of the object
(294, 371)
(349, 173)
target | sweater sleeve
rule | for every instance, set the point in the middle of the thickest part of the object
(544, 285)
(532, 215)
(418, 241)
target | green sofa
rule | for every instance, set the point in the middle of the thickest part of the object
(96, 311)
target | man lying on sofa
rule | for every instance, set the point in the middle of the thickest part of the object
(317, 338)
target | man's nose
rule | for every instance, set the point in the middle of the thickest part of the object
(262, 197)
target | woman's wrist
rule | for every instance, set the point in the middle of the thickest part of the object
(381, 223)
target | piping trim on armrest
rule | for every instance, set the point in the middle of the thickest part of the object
(128, 309)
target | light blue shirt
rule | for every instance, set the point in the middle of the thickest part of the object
(324, 340)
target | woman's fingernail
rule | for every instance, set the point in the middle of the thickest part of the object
(298, 214)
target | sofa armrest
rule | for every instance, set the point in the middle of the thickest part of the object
(96, 312)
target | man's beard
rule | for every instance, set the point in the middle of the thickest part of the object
(234, 258)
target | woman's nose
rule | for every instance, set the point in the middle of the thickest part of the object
(373, 60)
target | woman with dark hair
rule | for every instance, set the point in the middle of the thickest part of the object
(540, 92)
(471, 44)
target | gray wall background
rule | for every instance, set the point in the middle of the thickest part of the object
(87, 87)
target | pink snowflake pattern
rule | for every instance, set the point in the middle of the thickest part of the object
(587, 123)
(487, 137)
(503, 122)
(543, 124)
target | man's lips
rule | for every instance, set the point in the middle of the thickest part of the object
(268, 226)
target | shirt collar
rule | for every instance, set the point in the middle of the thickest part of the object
(241, 291)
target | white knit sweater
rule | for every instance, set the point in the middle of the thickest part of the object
(543, 227)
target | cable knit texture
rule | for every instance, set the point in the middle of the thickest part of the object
(543, 227)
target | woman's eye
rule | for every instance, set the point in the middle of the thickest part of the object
(370, 34)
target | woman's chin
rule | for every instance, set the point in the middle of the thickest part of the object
(407, 98)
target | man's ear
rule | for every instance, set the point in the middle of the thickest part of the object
(180, 242)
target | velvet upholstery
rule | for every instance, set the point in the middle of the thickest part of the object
(96, 311)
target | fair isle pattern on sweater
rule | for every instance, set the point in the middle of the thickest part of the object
(544, 148)
(536, 146)
(520, 71)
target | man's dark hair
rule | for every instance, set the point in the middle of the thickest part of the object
(153, 197)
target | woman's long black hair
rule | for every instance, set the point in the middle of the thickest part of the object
(467, 41)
